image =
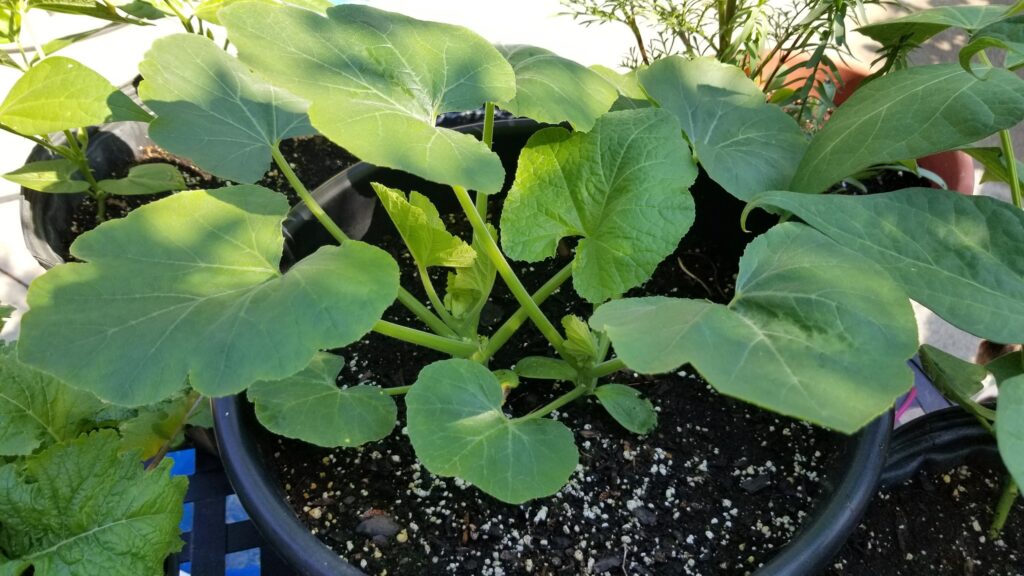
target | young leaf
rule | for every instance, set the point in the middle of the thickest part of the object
(815, 331)
(82, 508)
(957, 255)
(457, 428)
(579, 340)
(157, 425)
(208, 9)
(423, 231)
(622, 187)
(37, 410)
(1006, 34)
(745, 144)
(909, 114)
(468, 288)
(544, 368)
(310, 406)
(51, 176)
(1006, 366)
(145, 179)
(920, 25)
(1010, 426)
(375, 78)
(553, 89)
(628, 407)
(61, 94)
(995, 164)
(190, 286)
(212, 110)
(957, 379)
(631, 95)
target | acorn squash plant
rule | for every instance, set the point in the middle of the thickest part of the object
(188, 292)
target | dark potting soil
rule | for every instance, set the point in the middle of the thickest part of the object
(936, 524)
(314, 159)
(715, 488)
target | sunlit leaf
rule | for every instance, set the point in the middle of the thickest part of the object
(422, 229)
(52, 176)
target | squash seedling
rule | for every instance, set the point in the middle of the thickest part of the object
(188, 291)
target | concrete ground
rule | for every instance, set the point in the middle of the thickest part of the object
(116, 55)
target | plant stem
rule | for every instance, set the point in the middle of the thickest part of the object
(397, 390)
(509, 276)
(631, 22)
(1006, 501)
(444, 344)
(1011, 168)
(554, 404)
(406, 299)
(424, 314)
(35, 139)
(607, 367)
(305, 196)
(428, 286)
(488, 138)
(78, 156)
(509, 328)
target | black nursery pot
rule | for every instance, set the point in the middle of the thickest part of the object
(349, 199)
(936, 442)
(46, 218)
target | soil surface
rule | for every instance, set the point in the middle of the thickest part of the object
(314, 159)
(936, 524)
(715, 488)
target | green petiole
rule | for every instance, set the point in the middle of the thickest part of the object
(509, 276)
(502, 335)
(458, 348)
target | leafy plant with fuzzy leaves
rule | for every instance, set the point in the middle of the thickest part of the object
(188, 292)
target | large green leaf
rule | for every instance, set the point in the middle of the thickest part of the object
(457, 428)
(631, 95)
(145, 179)
(1006, 366)
(815, 331)
(909, 114)
(190, 286)
(553, 89)
(52, 176)
(37, 410)
(377, 82)
(1010, 425)
(915, 28)
(745, 144)
(310, 406)
(622, 187)
(958, 255)
(208, 9)
(82, 509)
(213, 110)
(424, 233)
(60, 94)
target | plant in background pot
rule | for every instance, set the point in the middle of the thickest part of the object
(188, 293)
(75, 498)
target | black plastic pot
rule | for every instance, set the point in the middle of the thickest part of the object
(936, 442)
(349, 199)
(46, 218)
